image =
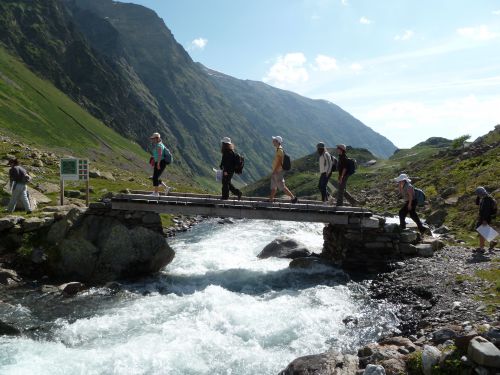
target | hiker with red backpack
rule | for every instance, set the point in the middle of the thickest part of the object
(327, 164)
(409, 194)
(230, 164)
(346, 168)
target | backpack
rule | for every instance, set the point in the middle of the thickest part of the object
(287, 162)
(419, 196)
(352, 164)
(334, 163)
(494, 207)
(239, 163)
(167, 156)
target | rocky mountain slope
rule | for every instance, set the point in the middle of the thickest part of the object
(122, 64)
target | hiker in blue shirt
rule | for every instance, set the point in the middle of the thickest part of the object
(157, 161)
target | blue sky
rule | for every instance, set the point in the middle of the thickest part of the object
(408, 69)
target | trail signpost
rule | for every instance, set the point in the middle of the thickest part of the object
(73, 169)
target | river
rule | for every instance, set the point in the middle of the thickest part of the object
(216, 309)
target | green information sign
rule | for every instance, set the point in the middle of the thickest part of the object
(74, 169)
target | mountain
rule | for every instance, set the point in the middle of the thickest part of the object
(122, 64)
(300, 120)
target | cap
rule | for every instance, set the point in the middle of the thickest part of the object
(481, 191)
(402, 177)
(278, 139)
(155, 135)
(226, 140)
(342, 147)
(320, 145)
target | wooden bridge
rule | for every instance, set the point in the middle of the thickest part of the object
(189, 204)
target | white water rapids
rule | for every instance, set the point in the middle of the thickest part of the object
(216, 309)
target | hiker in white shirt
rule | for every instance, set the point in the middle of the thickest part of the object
(326, 167)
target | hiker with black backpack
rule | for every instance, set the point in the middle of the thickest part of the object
(327, 164)
(408, 192)
(487, 210)
(277, 174)
(160, 157)
(18, 179)
(345, 170)
(229, 164)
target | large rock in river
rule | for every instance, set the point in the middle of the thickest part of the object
(96, 249)
(284, 247)
(329, 363)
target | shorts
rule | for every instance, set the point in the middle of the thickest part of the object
(480, 222)
(278, 181)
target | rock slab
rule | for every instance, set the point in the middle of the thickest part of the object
(328, 363)
(484, 352)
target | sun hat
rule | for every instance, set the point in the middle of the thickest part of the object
(320, 145)
(278, 139)
(481, 191)
(402, 177)
(155, 135)
(226, 140)
(342, 147)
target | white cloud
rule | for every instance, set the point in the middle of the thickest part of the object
(344, 2)
(496, 12)
(199, 43)
(407, 35)
(365, 21)
(326, 63)
(288, 70)
(410, 122)
(356, 67)
(477, 33)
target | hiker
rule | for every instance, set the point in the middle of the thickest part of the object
(408, 193)
(343, 166)
(486, 205)
(277, 175)
(228, 165)
(157, 160)
(18, 180)
(325, 170)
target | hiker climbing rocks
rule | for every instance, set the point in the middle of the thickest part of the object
(228, 165)
(277, 175)
(160, 157)
(18, 181)
(407, 191)
(487, 210)
(326, 166)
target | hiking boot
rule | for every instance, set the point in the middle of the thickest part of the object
(493, 244)
(239, 195)
(294, 200)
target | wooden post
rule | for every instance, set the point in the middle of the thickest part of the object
(62, 192)
(88, 190)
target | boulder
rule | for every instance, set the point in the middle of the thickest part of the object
(442, 335)
(8, 330)
(448, 192)
(407, 249)
(394, 366)
(328, 363)
(430, 357)
(425, 250)
(484, 352)
(374, 370)
(34, 223)
(72, 288)
(8, 277)
(408, 236)
(8, 222)
(100, 249)
(437, 217)
(284, 247)
(442, 230)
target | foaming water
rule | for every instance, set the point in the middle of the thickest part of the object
(216, 309)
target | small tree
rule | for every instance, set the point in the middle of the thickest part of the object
(460, 141)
